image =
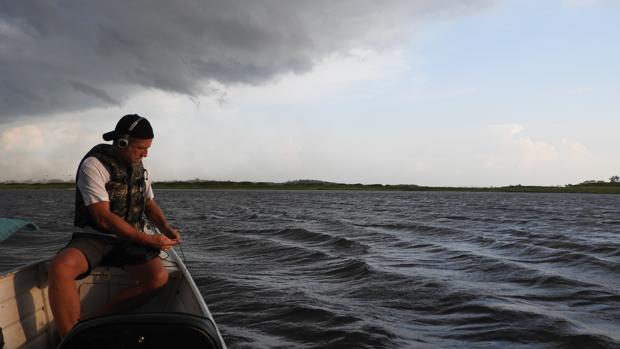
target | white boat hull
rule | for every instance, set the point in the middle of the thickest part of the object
(26, 320)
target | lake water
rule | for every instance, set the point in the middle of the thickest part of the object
(313, 269)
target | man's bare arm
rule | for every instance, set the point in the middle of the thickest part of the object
(156, 215)
(109, 221)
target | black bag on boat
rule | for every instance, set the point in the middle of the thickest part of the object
(144, 331)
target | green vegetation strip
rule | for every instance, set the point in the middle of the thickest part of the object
(594, 188)
(58, 185)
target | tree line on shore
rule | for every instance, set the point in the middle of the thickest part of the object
(589, 186)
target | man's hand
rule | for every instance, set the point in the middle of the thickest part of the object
(172, 234)
(162, 242)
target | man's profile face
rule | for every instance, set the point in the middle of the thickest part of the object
(136, 150)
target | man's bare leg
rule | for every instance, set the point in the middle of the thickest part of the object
(151, 276)
(63, 294)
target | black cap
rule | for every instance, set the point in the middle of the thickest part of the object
(141, 128)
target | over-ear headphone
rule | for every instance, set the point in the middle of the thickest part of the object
(123, 140)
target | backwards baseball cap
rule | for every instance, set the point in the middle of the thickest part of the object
(133, 125)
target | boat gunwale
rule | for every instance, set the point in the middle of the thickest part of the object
(39, 267)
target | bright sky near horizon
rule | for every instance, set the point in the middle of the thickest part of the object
(454, 93)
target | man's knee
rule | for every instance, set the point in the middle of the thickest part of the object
(156, 280)
(70, 263)
(160, 278)
(152, 275)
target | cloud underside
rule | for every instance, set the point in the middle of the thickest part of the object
(58, 56)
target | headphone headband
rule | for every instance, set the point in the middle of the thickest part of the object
(135, 123)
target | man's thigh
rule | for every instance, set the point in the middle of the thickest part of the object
(84, 250)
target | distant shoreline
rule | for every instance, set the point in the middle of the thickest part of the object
(590, 188)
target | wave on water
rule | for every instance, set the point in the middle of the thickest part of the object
(313, 269)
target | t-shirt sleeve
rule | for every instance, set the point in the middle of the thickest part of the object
(149, 190)
(92, 177)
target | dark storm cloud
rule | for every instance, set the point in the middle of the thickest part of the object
(70, 55)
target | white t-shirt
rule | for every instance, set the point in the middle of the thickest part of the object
(92, 178)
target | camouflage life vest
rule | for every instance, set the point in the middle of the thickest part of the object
(126, 189)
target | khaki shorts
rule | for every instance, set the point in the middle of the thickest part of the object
(110, 253)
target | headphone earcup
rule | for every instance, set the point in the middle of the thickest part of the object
(122, 142)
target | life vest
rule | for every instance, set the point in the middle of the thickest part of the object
(126, 189)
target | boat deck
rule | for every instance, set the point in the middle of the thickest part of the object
(26, 320)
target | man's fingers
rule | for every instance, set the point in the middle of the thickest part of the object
(166, 242)
(176, 234)
(173, 234)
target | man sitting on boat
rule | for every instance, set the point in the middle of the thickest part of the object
(113, 196)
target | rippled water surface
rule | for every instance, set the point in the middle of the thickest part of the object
(311, 269)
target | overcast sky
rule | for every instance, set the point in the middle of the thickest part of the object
(459, 93)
